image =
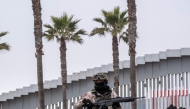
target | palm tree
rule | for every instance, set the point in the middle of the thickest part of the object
(132, 35)
(36, 6)
(113, 22)
(4, 46)
(64, 29)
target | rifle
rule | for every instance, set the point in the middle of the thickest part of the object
(110, 101)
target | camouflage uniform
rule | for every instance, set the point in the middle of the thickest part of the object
(93, 96)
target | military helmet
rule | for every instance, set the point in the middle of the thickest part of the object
(101, 76)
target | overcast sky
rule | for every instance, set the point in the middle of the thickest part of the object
(161, 25)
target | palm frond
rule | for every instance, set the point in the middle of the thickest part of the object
(64, 18)
(124, 37)
(76, 38)
(123, 14)
(54, 19)
(72, 26)
(3, 33)
(105, 13)
(99, 31)
(59, 22)
(112, 20)
(122, 23)
(48, 37)
(70, 18)
(58, 39)
(116, 11)
(4, 46)
(48, 26)
(50, 34)
(124, 20)
(99, 20)
(81, 32)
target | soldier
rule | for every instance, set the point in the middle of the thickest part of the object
(101, 91)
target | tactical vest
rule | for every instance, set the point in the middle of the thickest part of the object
(106, 95)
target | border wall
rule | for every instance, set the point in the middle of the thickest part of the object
(162, 78)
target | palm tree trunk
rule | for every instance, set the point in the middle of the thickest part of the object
(133, 78)
(38, 44)
(115, 63)
(63, 71)
(132, 44)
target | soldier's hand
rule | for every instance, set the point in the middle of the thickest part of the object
(87, 103)
(116, 104)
